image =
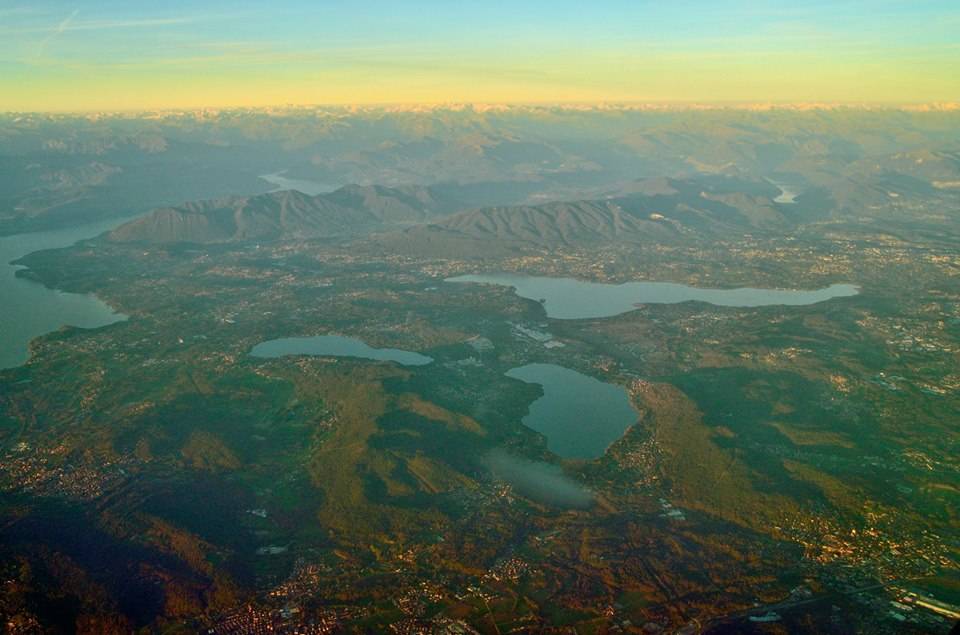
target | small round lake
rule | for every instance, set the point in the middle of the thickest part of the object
(580, 416)
(336, 346)
(570, 299)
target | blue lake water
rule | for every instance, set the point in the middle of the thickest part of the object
(336, 346)
(28, 309)
(569, 299)
(580, 416)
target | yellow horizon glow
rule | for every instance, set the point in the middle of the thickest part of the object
(694, 81)
(68, 62)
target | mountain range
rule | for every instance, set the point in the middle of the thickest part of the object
(428, 220)
(57, 171)
(288, 214)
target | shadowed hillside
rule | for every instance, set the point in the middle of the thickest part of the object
(651, 210)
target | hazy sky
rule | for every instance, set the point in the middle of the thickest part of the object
(133, 54)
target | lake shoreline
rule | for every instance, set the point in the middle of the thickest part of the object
(571, 298)
(34, 307)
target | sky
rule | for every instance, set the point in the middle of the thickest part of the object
(133, 54)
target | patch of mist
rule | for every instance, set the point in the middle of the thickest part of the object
(539, 481)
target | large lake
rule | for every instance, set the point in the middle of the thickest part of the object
(336, 346)
(569, 299)
(28, 309)
(580, 416)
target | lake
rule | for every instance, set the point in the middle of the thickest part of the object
(28, 309)
(311, 188)
(570, 299)
(787, 194)
(580, 416)
(336, 346)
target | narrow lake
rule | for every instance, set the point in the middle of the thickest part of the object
(311, 188)
(570, 299)
(336, 346)
(28, 309)
(580, 416)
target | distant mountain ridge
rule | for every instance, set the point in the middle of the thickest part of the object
(650, 210)
(448, 221)
(348, 211)
(64, 171)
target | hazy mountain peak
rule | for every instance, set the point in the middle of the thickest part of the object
(350, 210)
